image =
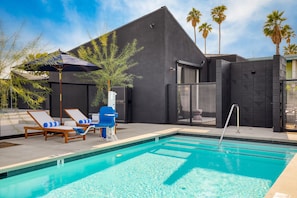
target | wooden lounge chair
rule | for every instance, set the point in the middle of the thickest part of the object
(47, 124)
(80, 119)
(35, 130)
(100, 121)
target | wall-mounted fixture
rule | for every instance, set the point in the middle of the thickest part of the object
(172, 68)
(152, 25)
(202, 63)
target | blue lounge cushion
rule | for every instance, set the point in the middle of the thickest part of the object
(85, 121)
(78, 130)
(51, 124)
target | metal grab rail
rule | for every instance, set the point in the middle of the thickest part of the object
(227, 121)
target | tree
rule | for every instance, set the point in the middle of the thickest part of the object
(12, 81)
(218, 16)
(194, 17)
(273, 28)
(114, 62)
(288, 33)
(290, 49)
(205, 28)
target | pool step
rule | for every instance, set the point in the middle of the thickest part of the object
(238, 148)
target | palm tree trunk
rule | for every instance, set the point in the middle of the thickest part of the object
(277, 49)
(204, 45)
(219, 38)
(195, 34)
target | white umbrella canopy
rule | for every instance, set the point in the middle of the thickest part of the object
(60, 62)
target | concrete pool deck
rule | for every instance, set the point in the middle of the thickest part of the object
(35, 150)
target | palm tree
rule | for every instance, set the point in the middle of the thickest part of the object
(218, 16)
(194, 16)
(288, 33)
(205, 28)
(290, 49)
(273, 28)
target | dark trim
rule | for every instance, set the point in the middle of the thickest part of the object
(282, 80)
(11, 136)
(186, 63)
(243, 139)
(88, 100)
(27, 169)
(191, 105)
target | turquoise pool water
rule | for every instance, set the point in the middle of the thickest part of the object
(176, 166)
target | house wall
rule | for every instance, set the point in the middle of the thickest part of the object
(255, 87)
(178, 46)
(251, 89)
(148, 93)
(289, 70)
(164, 43)
(76, 93)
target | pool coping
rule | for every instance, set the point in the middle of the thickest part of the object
(284, 186)
(7, 171)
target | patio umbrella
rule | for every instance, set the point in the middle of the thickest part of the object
(60, 62)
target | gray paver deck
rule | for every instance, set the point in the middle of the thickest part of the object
(35, 146)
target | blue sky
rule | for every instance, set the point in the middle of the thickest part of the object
(66, 24)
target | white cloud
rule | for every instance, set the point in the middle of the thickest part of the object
(241, 31)
(240, 15)
(76, 30)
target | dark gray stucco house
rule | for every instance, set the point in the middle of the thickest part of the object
(164, 42)
(180, 84)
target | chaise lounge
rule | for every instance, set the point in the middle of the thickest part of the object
(80, 118)
(99, 120)
(47, 124)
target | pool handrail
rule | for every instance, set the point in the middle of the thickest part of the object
(227, 121)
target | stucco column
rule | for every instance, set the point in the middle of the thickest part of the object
(294, 69)
(223, 91)
(278, 73)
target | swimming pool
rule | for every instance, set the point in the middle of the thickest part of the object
(175, 166)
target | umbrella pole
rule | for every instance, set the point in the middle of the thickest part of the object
(60, 84)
